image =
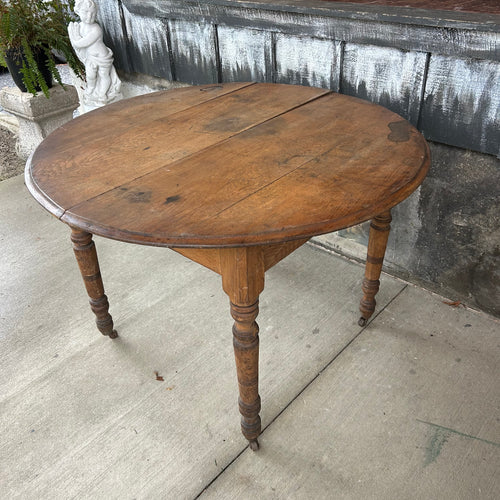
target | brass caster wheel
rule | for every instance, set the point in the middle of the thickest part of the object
(362, 321)
(253, 445)
(113, 334)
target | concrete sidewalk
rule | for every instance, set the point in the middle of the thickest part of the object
(406, 408)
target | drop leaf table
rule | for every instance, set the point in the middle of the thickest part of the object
(235, 177)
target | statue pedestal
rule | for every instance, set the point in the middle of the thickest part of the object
(38, 116)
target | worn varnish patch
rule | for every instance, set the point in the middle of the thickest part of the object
(400, 131)
(231, 124)
(211, 88)
(136, 195)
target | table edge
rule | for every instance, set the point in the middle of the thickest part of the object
(50, 205)
(255, 239)
(233, 240)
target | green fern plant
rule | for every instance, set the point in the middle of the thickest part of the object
(31, 27)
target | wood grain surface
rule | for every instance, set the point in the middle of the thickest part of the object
(227, 165)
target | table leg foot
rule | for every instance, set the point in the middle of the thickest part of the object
(253, 444)
(377, 244)
(86, 257)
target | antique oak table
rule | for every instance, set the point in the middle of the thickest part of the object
(234, 177)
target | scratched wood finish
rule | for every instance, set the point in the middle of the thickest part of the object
(152, 141)
(225, 172)
(129, 115)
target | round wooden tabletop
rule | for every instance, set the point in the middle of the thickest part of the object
(227, 165)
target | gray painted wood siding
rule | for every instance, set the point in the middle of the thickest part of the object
(110, 18)
(441, 74)
(462, 103)
(245, 54)
(391, 77)
(147, 45)
(453, 33)
(194, 63)
(308, 61)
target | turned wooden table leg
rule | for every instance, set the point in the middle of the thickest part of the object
(242, 271)
(86, 257)
(246, 353)
(377, 243)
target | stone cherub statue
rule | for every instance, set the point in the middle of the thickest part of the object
(102, 84)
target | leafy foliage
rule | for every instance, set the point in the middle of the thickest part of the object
(32, 26)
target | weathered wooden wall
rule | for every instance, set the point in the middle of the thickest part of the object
(440, 70)
(442, 74)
